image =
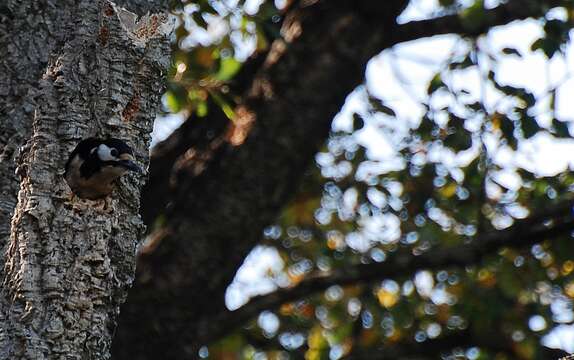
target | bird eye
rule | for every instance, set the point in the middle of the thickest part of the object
(114, 152)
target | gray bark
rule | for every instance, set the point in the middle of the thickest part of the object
(73, 70)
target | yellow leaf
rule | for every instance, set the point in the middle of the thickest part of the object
(486, 278)
(386, 298)
(567, 267)
(448, 190)
(316, 340)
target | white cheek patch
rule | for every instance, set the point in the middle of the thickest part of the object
(104, 153)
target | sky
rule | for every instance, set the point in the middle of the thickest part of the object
(400, 77)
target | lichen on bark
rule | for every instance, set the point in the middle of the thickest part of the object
(67, 268)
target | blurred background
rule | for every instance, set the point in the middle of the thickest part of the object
(448, 141)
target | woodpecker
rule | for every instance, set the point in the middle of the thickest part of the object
(95, 165)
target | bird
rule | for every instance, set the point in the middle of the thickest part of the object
(95, 164)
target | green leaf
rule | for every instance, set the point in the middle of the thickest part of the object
(426, 128)
(223, 104)
(202, 108)
(474, 17)
(527, 97)
(262, 42)
(171, 102)
(175, 98)
(228, 67)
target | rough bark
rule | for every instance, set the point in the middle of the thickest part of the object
(94, 72)
(23, 58)
(27, 36)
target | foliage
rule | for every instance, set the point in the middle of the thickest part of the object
(444, 185)
(213, 39)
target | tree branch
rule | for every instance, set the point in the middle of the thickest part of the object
(434, 348)
(218, 216)
(182, 140)
(551, 223)
(462, 25)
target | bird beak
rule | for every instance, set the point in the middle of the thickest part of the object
(130, 165)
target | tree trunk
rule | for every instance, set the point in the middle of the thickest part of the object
(217, 216)
(75, 70)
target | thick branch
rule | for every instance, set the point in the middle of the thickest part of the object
(186, 137)
(183, 139)
(218, 216)
(525, 232)
(461, 25)
(494, 342)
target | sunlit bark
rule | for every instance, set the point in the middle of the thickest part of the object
(75, 69)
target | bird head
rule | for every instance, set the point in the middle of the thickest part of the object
(114, 155)
(95, 164)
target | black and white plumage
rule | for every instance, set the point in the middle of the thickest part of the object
(95, 165)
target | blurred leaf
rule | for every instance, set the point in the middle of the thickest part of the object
(379, 106)
(560, 128)
(506, 126)
(228, 67)
(511, 51)
(529, 126)
(205, 7)
(474, 16)
(316, 341)
(449, 190)
(463, 64)
(386, 298)
(199, 20)
(202, 108)
(175, 98)
(262, 42)
(358, 122)
(446, 3)
(172, 102)
(459, 140)
(435, 84)
(204, 57)
(181, 31)
(556, 35)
